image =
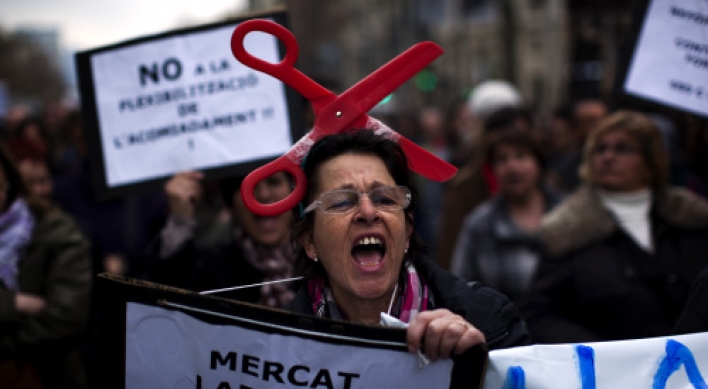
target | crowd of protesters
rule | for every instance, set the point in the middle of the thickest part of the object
(592, 219)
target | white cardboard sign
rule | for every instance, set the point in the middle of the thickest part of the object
(170, 349)
(670, 61)
(181, 101)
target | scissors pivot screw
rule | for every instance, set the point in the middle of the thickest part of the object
(339, 114)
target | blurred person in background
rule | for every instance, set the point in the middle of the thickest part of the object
(119, 228)
(474, 183)
(622, 251)
(497, 244)
(33, 168)
(52, 117)
(29, 130)
(467, 117)
(675, 133)
(45, 285)
(255, 248)
(560, 142)
(67, 145)
(460, 122)
(568, 153)
(15, 114)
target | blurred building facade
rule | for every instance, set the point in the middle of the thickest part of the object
(47, 38)
(553, 50)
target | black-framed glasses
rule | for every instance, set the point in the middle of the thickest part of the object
(617, 149)
(384, 198)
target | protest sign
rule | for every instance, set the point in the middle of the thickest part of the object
(678, 362)
(177, 101)
(161, 337)
(669, 63)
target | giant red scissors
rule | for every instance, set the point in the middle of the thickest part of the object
(333, 114)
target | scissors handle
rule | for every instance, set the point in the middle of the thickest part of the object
(283, 70)
(282, 164)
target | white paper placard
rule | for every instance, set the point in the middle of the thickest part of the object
(170, 349)
(182, 102)
(678, 362)
(670, 61)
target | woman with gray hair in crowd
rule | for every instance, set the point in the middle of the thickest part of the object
(622, 251)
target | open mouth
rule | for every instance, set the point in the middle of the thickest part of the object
(369, 251)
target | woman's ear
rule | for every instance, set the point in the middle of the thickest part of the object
(306, 242)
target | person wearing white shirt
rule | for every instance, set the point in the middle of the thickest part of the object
(622, 251)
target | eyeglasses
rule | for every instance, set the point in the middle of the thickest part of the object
(383, 198)
(618, 149)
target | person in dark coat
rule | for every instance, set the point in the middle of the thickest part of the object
(362, 256)
(246, 249)
(623, 250)
(45, 288)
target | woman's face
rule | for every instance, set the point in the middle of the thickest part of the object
(516, 169)
(357, 270)
(618, 164)
(265, 230)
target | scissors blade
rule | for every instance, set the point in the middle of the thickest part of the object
(426, 163)
(364, 95)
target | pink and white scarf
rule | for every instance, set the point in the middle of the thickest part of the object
(414, 297)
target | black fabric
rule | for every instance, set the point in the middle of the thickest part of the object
(694, 317)
(485, 308)
(207, 268)
(613, 289)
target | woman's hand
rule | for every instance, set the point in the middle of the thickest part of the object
(29, 304)
(443, 333)
(184, 191)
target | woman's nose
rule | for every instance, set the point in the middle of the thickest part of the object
(366, 211)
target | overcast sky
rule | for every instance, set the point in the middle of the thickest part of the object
(85, 24)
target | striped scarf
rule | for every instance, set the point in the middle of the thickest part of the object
(414, 297)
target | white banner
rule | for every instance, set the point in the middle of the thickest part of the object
(170, 349)
(670, 61)
(177, 102)
(678, 362)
